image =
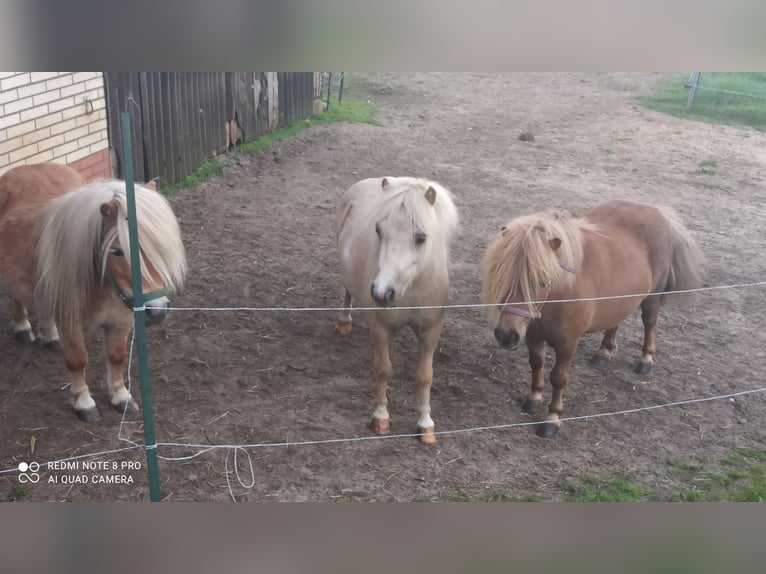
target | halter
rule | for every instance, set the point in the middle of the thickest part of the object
(536, 314)
(129, 302)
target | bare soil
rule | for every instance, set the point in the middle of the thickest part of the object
(262, 235)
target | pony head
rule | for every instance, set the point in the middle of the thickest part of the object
(413, 222)
(529, 257)
(84, 246)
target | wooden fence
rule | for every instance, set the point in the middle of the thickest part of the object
(181, 119)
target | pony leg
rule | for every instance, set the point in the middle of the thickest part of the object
(116, 342)
(76, 359)
(49, 335)
(381, 422)
(424, 376)
(533, 404)
(559, 380)
(650, 310)
(22, 329)
(343, 326)
(607, 349)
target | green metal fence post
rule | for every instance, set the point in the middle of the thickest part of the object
(139, 315)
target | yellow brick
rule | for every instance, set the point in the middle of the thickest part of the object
(4, 75)
(86, 119)
(97, 126)
(76, 133)
(8, 96)
(51, 142)
(33, 113)
(9, 121)
(46, 97)
(31, 89)
(73, 112)
(42, 76)
(14, 82)
(100, 146)
(84, 76)
(4, 159)
(59, 82)
(90, 139)
(79, 154)
(18, 129)
(22, 153)
(36, 136)
(63, 126)
(95, 83)
(73, 90)
(48, 120)
(62, 104)
(11, 144)
(47, 155)
(18, 105)
(62, 150)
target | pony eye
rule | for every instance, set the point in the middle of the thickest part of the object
(377, 229)
(420, 238)
(118, 252)
(543, 284)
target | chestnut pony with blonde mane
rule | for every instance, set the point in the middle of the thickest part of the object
(393, 239)
(64, 253)
(617, 248)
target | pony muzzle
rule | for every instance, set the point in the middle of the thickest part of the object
(383, 297)
(156, 311)
(509, 338)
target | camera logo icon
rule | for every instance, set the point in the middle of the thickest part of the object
(29, 472)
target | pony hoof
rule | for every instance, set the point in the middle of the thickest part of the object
(547, 430)
(531, 407)
(599, 360)
(642, 368)
(343, 329)
(381, 426)
(54, 346)
(88, 415)
(126, 407)
(25, 337)
(427, 435)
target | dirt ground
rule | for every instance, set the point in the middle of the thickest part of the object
(262, 235)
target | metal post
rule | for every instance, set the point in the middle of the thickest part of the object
(329, 91)
(340, 90)
(139, 316)
(693, 90)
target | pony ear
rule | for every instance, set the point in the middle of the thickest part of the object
(108, 209)
(555, 243)
(385, 183)
(151, 184)
(431, 195)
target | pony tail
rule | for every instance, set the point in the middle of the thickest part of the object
(687, 265)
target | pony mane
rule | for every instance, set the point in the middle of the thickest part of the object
(520, 258)
(406, 197)
(72, 249)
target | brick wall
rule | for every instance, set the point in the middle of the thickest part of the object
(43, 117)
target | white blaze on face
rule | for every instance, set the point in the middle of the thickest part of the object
(398, 261)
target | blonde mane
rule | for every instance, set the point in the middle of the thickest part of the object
(72, 249)
(406, 197)
(521, 259)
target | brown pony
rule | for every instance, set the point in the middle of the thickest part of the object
(64, 252)
(617, 248)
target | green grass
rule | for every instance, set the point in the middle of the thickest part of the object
(706, 167)
(739, 477)
(16, 494)
(350, 110)
(712, 106)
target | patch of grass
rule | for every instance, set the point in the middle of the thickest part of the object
(16, 494)
(706, 167)
(350, 111)
(592, 489)
(733, 98)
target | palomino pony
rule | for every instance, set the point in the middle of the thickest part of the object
(393, 238)
(64, 252)
(617, 248)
